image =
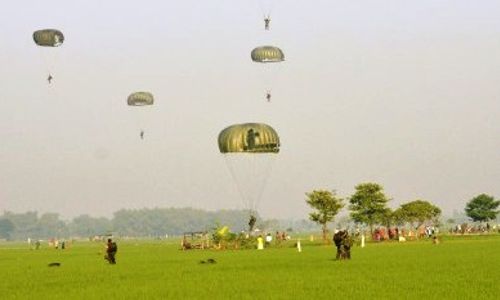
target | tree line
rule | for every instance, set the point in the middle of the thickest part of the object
(155, 222)
(369, 207)
(126, 222)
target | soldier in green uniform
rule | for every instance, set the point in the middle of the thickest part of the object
(111, 249)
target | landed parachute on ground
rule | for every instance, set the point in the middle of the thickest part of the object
(249, 151)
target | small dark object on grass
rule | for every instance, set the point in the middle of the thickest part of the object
(211, 261)
(208, 261)
(54, 264)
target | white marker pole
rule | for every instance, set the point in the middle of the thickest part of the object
(299, 248)
(362, 240)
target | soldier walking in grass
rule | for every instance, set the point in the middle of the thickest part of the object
(346, 245)
(111, 249)
(343, 242)
(337, 240)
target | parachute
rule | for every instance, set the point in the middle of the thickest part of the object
(48, 37)
(249, 151)
(249, 138)
(140, 99)
(267, 54)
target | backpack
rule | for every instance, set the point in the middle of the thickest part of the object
(113, 247)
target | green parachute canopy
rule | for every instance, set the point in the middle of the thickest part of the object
(267, 54)
(249, 138)
(140, 99)
(48, 37)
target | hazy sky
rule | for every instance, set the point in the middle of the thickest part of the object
(403, 93)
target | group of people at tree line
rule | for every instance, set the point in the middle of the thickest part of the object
(467, 228)
(55, 243)
(279, 237)
(395, 233)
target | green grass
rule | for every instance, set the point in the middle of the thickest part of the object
(458, 268)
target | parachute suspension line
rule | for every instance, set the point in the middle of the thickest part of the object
(251, 172)
(52, 93)
(268, 74)
(232, 171)
(264, 171)
(49, 59)
(44, 62)
(266, 8)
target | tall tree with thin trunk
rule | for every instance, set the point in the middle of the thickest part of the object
(327, 206)
(368, 204)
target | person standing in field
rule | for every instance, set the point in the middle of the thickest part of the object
(260, 243)
(111, 249)
(343, 242)
(346, 245)
(337, 240)
(269, 238)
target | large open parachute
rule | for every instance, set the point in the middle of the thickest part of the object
(249, 151)
(249, 138)
(140, 99)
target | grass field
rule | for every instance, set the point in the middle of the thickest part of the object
(458, 268)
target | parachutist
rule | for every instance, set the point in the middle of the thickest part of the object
(142, 134)
(49, 79)
(251, 223)
(251, 135)
(267, 21)
(268, 96)
(111, 249)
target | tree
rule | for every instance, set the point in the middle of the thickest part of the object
(6, 227)
(25, 225)
(387, 218)
(49, 225)
(327, 206)
(87, 226)
(399, 217)
(368, 204)
(482, 208)
(419, 211)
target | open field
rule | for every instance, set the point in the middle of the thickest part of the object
(458, 268)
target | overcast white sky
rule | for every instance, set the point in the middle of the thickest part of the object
(403, 93)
